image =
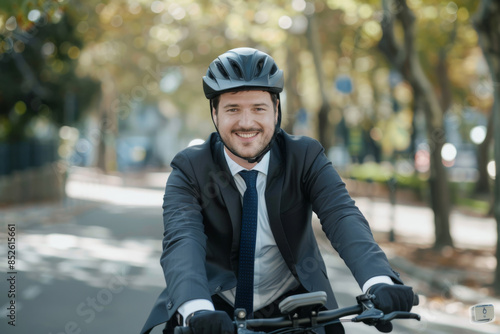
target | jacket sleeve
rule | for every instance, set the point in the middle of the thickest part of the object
(184, 239)
(342, 222)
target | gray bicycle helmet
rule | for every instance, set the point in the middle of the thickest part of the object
(244, 69)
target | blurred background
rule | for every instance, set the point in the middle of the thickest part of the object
(402, 94)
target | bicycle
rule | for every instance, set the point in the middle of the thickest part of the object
(301, 314)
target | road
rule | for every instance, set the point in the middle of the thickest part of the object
(98, 272)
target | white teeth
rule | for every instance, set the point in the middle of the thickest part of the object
(247, 135)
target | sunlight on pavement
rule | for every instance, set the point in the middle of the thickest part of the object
(112, 194)
(88, 259)
(65, 246)
(415, 224)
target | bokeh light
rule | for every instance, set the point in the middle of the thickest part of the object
(449, 152)
(11, 23)
(157, 7)
(261, 17)
(285, 22)
(68, 133)
(491, 168)
(34, 15)
(20, 107)
(422, 159)
(299, 5)
(478, 134)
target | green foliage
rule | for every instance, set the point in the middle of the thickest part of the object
(371, 172)
(38, 75)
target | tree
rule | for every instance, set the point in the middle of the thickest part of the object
(404, 58)
(293, 101)
(487, 23)
(39, 49)
(483, 158)
(40, 90)
(324, 127)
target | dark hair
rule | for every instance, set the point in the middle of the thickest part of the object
(214, 103)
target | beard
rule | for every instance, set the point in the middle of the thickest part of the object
(236, 144)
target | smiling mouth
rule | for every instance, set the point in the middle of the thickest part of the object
(246, 135)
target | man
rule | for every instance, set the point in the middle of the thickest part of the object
(237, 212)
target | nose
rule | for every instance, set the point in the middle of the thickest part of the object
(246, 120)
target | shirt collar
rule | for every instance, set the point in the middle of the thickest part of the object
(262, 166)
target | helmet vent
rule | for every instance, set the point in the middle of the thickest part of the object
(222, 70)
(274, 69)
(236, 68)
(259, 66)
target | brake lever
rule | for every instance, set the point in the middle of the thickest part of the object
(366, 301)
(400, 315)
(369, 316)
(373, 316)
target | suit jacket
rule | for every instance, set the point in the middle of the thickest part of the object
(202, 217)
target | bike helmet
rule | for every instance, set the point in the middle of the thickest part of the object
(244, 69)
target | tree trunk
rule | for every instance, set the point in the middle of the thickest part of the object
(324, 127)
(293, 103)
(446, 98)
(405, 59)
(443, 80)
(487, 23)
(496, 201)
(106, 155)
(483, 150)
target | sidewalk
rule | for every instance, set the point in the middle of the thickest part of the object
(415, 224)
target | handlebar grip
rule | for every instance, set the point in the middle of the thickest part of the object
(183, 330)
(416, 300)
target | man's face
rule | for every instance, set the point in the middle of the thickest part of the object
(246, 122)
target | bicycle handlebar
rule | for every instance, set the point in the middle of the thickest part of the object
(365, 310)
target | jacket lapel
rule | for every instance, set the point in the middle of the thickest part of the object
(231, 198)
(274, 190)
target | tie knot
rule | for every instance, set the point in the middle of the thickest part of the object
(250, 177)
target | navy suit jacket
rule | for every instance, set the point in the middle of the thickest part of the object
(202, 217)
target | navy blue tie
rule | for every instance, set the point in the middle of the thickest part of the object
(244, 289)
